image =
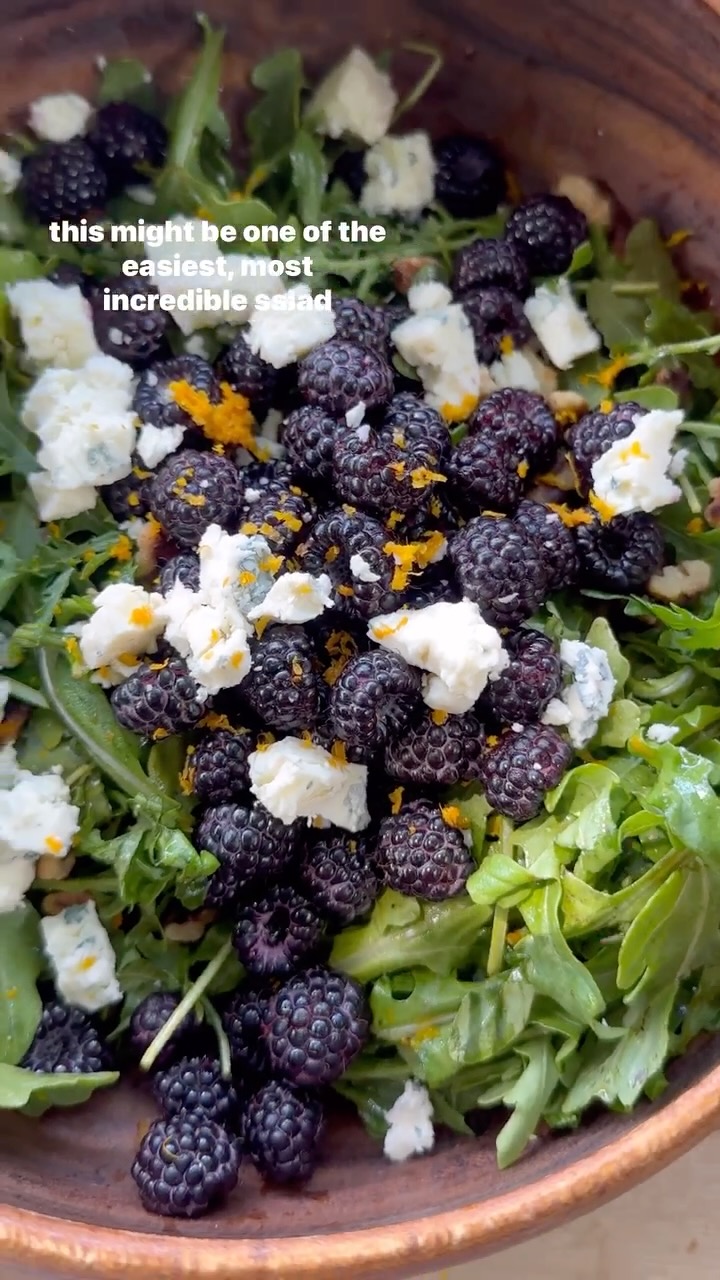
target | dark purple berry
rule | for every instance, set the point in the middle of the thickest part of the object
(339, 876)
(67, 1042)
(499, 567)
(548, 230)
(597, 432)
(522, 767)
(193, 490)
(314, 1026)
(128, 142)
(620, 555)
(283, 1128)
(158, 699)
(496, 316)
(195, 1086)
(249, 375)
(437, 749)
(63, 180)
(309, 440)
(242, 1020)
(554, 542)
(185, 1166)
(339, 375)
(421, 855)
(135, 337)
(249, 844)
(491, 264)
(470, 176)
(283, 686)
(275, 933)
(155, 396)
(218, 765)
(521, 692)
(373, 699)
(149, 1017)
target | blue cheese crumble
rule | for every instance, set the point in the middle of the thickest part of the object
(81, 955)
(586, 700)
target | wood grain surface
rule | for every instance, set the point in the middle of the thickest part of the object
(626, 93)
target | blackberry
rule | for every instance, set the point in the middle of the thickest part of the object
(486, 264)
(419, 854)
(495, 315)
(393, 468)
(66, 1042)
(597, 432)
(129, 498)
(282, 686)
(622, 554)
(522, 691)
(339, 875)
(219, 765)
(548, 230)
(135, 337)
(275, 933)
(350, 169)
(470, 176)
(249, 844)
(249, 375)
(522, 767)
(128, 141)
(278, 511)
(155, 403)
(62, 180)
(195, 1086)
(357, 322)
(373, 699)
(67, 274)
(485, 471)
(242, 1019)
(334, 541)
(158, 699)
(147, 1019)
(282, 1131)
(185, 1166)
(339, 375)
(499, 566)
(183, 568)
(437, 749)
(193, 490)
(314, 1026)
(553, 540)
(309, 439)
(522, 419)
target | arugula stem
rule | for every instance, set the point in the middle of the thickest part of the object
(634, 288)
(691, 497)
(422, 85)
(95, 884)
(496, 953)
(192, 996)
(663, 686)
(693, 346)
(26, 693)
(213, 1018)
(709, 429)
(200, 93)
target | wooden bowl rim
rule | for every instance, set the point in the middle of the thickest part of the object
(503, 1219)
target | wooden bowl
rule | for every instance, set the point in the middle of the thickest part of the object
(625, 93)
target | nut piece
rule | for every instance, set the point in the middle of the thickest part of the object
(48, 867)
(53, 903)
(681, 581)
(587, 197)
(568, 406)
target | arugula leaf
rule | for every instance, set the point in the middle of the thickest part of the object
(500, 881)
(18, 264)
(20, 966)
(647, 258)
(548, 962)
(309, 175)
(15, 450)
(439, 938)
(619, 320)
(271, 125)
(528, 1097)
(126, 80)
(414, 1004)
(33, 1092)
(685, 798)
(675, 932)
(688, 631)
(492, 1016)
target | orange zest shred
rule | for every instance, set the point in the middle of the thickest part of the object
(159, 734)
(332, 554)
(604, 509)
(395, 518)
(186, 777)
(338, 752)
(421, 477)
(522, 469)
(459, 412)
(607, 376)
(288, 519)
(213, 720)
(271, 564)
(389, 629)
(342, 590)
(195, 499)
(696, 525)
(398, 468)
(411, 557)
(507, 346)
(439, 717)
(229, 422)
(396, 798)
(247, 577)
(53, 845)
(677, 237)
(452, 815)
(142, 616)
(570, 518)
(634, 450)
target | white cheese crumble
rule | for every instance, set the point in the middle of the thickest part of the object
(55, 323)
(586, 701)
(428, 295)
(294, 778)
(10, 171)
(361, 570)
(295, 597)
(16, 876)
(237, 567)
(439, 343)
(236, 278)
(213, 639)
(681, 581)
(662, 732)
(400, 176)
(127, 621)
(452, 643)
(524, 370)
(58, 117)
(410, 1129)
(561, 326)
(154, 444)
(356, 98)
(36, 813)
(86, 428)
(282, 337)
(83, 961)
(355, 415)
(634, 473)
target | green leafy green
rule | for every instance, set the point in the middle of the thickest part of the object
(439, 937)
(126, 80)
(272, 124)
(20, 966)
(34, 1092)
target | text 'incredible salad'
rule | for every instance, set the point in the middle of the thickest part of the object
(359, 666)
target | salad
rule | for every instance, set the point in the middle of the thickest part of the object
(358, 662)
